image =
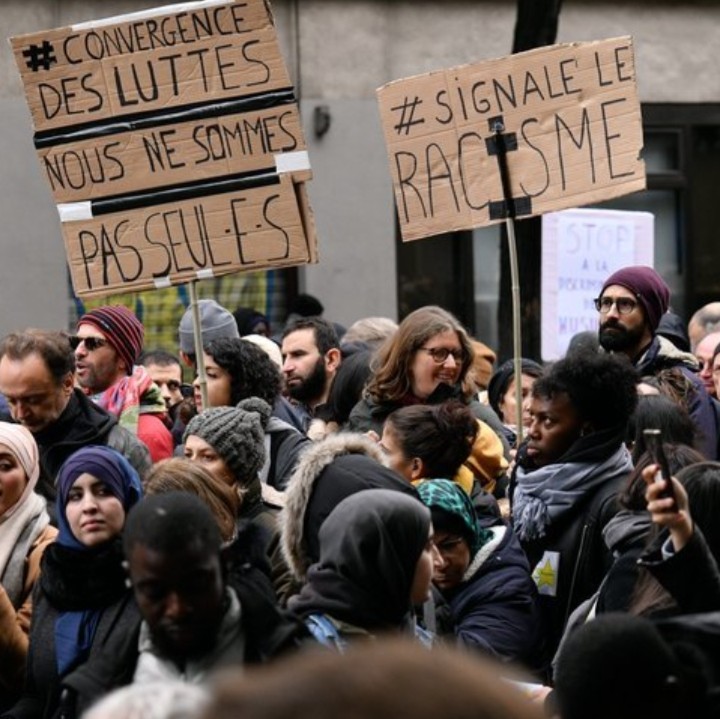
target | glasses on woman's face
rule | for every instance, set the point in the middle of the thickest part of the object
(624, 305)
(91, 343)
(440, 354)
(449, 545)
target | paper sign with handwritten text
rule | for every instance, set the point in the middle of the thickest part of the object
(567, 115)
(172, 143)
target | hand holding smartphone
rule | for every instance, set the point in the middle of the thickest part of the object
(653, 441)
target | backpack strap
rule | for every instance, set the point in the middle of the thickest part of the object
(325, 632)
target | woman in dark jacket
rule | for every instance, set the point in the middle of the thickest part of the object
(484, 577)
(427, 361)
(626, 534)
(83, 600)
(567, 477)
(238, 370)
(445, 440)
(229, 442)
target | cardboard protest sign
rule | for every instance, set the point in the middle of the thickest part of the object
(581, 248)
(172, 143)
(569, 117)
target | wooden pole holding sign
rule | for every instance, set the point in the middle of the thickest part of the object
(501, 154)
(561, 125)
(197, 341)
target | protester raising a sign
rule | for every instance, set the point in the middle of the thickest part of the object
(172, 144)
(569, 117)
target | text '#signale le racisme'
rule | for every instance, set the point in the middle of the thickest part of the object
(172, 143)
(568, 116)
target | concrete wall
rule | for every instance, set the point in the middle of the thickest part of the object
(339, 52)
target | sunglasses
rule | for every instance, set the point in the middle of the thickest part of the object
(91, 343)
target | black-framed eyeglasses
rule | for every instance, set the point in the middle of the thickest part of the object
(625, 305)
(440, 354)
(91, 343)
(449, 545)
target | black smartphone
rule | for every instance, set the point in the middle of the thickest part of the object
(653, 442)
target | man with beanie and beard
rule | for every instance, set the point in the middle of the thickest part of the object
(631, 303)
(107, 345)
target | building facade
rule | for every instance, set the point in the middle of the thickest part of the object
(339, 52)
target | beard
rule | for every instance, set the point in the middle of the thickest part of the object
(614, 337)
(312, 386)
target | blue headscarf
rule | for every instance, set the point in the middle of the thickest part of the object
(74, 631)
(107, 465)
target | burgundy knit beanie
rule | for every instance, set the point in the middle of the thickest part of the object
(650, 289)
(122, 330)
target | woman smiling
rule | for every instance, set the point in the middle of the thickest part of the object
(427, 361)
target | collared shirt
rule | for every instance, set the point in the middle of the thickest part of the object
(229, 649)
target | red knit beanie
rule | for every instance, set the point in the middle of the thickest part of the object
(122, 330)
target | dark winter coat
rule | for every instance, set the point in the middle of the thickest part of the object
(626, 536)
(329, 471)
(370, 415)
(577, 539)
(495, 609)
(83, 423)
(690, 576)
(662, 354)
(120, 617)
(286, 446)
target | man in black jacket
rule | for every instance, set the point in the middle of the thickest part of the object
(37, 377)
(203, 607)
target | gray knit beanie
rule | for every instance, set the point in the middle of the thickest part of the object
(237, 434)
(215, 322)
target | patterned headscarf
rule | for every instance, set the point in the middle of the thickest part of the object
(451, 498)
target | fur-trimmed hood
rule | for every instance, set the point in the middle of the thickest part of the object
(327, 472)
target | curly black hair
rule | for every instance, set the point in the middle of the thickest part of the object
(601, 387)
(252, 372)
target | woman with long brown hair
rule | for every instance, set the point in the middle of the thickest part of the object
(427, 361)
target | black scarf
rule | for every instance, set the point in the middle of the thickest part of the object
(75, 580)
(81, 423)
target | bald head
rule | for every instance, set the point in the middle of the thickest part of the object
(703, 322)
(704, 352)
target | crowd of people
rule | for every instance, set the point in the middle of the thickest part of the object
(382, 518)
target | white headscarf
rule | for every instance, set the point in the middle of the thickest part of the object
(14, 520)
